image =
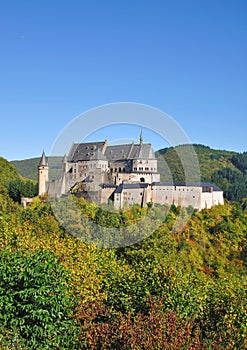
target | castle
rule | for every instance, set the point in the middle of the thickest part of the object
(124, 175)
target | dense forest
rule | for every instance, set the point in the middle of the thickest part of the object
(182, 287)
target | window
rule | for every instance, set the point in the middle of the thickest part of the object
(147, 169)
(142, 179)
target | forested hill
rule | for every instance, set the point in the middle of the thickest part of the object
(16, 185)
(210, 160)
(29, 167)
(226, 169)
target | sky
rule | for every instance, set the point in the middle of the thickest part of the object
(60, 59)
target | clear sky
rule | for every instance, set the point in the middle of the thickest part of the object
(61, 58)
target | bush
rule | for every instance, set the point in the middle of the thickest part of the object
(35, 304)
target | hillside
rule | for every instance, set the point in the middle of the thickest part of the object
(183, 290)
(226, 169)
(8, 172)
(28, 167)
(210, 160)
(16, 185)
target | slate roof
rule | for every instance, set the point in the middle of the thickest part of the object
(85, 151)
(188, 184)
(43, 161)
(124, 186)
(98, 155)
(130, 151)
(107, 185)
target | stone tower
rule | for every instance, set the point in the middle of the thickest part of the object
(43, 174)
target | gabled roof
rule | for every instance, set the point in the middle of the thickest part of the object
(90, 150)
(130, 151)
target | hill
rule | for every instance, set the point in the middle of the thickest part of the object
(210, 160)
(28, 167)
(226, 169)
(8, 172)
(17, 185)
(183, 290)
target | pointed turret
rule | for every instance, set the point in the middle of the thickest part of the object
(43, 161)
(43, 174)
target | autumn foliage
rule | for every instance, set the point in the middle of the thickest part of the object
(177, 289)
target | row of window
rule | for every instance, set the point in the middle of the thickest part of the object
(146, 169)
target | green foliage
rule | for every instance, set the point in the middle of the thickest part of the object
(28, 168)
(8, 172)
(17, 186)
(182, 289)
(232, 182)
(210, 160)
(20, 188)
(226, 169)
(240, 161)
(34, 302)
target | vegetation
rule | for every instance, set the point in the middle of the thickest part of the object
(28, 167)
(175, 289)
(17, 185)
(228, 170)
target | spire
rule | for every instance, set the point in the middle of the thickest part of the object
(65, 158)
(43, 161)
(141, 138)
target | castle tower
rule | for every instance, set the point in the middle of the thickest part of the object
(42, 174)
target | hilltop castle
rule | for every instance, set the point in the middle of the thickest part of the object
(124, 174)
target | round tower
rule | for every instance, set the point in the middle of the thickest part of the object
(43, 174)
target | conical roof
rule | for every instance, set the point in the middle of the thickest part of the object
(43, 161)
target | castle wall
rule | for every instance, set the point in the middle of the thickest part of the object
(186, 196)
(137, 177)
(129, 197)
(177, 195)
(105, 194)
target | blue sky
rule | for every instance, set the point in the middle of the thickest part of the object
(61, 58)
